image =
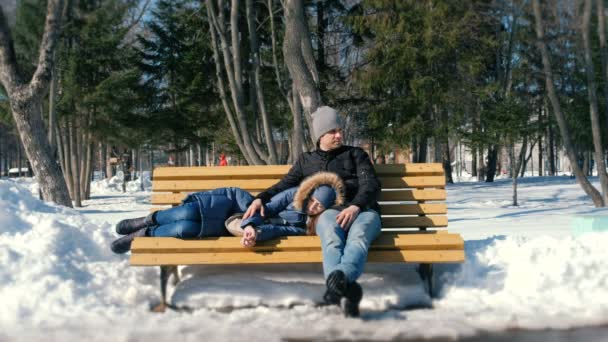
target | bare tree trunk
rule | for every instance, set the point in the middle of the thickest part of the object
(540, 143)
(601, 30)
(85, 156)
(526, 160)
(234, 73)
(74, 159)
(51, 123)
(297, 51)
(191, 155)
(473, 162)
(199, 155)
(101, 151)
(255, 59)
(109, 167)
(593, 102)
(586, 169)
(63, 155)
(596, 197)
(492, 161)
(89, 173)
(25, 101)
(297, 138)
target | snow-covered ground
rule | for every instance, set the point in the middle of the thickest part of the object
(527, 267)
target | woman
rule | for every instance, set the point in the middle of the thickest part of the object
(204, 214)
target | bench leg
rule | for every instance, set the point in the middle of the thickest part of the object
(426, 274)
(165, 273)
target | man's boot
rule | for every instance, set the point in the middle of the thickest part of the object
(336, 287)
(351, 300)
(129, 226)
(123, 244)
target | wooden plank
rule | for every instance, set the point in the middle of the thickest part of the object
(412, 182)
(203, 185)
(398, 195)
(437, 221)
(386, 241)
(413, 221)
(414, 195)
(410, 169)
(251, 257)
(263, 184)
(385, 209)
(221, 172)
(413, 209)
(278, 171)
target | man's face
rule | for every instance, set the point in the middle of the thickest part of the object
(331, 140)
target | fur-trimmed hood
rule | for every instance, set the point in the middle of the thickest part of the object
(312, 182)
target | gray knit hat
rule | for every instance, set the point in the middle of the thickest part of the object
(324, 119)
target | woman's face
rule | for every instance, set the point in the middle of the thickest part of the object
(314, 207)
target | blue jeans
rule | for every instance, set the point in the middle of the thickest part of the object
(347, 250)
(183, 221)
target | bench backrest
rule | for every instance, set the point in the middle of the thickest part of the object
(413, 195)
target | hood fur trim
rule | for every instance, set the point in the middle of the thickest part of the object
(312, 182)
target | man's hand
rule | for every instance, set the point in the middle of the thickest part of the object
(346, 217)
(253, 208)
(249, 235)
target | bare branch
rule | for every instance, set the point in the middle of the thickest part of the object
(42, 75)
(9, 74)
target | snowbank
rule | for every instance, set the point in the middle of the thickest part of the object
(114, 184)
(56, 265)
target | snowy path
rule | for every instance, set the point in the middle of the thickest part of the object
(524, 269)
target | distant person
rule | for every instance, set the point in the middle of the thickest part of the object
(293, 211)
(223, 161)
(380, 159)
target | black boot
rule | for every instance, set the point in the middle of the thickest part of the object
(129, 226)
(336, 287)
(123, 244)
(351, 300)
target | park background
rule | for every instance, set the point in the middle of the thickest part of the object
(507, 95)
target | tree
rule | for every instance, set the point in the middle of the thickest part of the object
(25, 100)
(581, 178)
(175, 60)
(299, 58)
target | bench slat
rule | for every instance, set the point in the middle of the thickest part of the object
(413, 221)
(278, 171)
(250, 257)
(398, 195)
(386, 241)
(262, 184)
(437, 221)
(413, 209)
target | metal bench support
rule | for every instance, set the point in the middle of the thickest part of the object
(165, 273)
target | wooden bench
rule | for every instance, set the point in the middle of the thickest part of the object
(412, 205)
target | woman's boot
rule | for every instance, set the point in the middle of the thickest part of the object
(123, 244)
(351, 300)
(129, 226)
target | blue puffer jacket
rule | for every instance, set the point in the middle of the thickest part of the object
(217, 205)
(280, 218)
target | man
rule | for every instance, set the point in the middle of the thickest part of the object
(345, 232)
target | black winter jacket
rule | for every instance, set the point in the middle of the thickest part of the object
(352, 164)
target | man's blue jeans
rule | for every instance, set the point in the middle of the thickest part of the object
(183, 221)
(347, 250)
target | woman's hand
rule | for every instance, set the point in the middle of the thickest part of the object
(249, 235)
(253, 208)
(346, 217)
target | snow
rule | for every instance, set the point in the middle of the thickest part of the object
(530, 266)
